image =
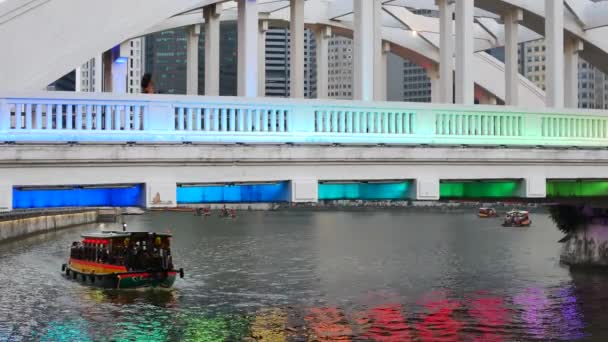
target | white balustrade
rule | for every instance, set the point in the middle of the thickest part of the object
(97, 117)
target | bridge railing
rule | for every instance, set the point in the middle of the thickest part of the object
(94, 117)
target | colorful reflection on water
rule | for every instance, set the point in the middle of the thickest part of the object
(437, 316)
(319, 276)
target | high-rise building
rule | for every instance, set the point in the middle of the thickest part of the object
(340, 68)
(278, 63)
(592, 85)
(136, 65)
(88, 77)
(166, 60)
(228, 59)
(133, 50)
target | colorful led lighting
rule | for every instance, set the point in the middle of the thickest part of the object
(481, 189)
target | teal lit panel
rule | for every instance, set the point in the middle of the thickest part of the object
(577, 188)
(485, 189)
(364, 191)
(240, 193)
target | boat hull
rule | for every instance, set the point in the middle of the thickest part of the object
(127, 280)
(117, 277)
(520, 225)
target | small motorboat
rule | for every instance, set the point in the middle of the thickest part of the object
(227, 213)
(517, 218)
(206, 211)
(486, 212)
(121, 260)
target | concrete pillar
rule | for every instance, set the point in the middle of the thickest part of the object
(262, 58)
(247, 82)
(322, 36)
(161, 194)
(193, 35)
(211, 15)
(98, 74)
(572, 48)
(425, 189)
(511, 19)
(119, 75)
(78, 79)
(304, 191)
(433, 74)
(380, 89)
(6, 197)
(446, 52)
(464, 52)
(363, 51)
(533, 186)
(107, 59)
(296, 47)
(554, 40)
(380, 55)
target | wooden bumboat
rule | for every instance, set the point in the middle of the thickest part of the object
(517, 218)
(122, 260)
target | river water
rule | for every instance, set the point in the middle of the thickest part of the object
(386, 275)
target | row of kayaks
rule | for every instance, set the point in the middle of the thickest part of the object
(513, 218)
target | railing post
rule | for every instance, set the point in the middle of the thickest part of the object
(159, 117)
(532, 125)
(424, 123)
(302, 119)
(5, 116)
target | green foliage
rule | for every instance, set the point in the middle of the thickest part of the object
(568, 218)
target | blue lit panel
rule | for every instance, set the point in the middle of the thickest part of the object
(78, 197)
(250, 193)
(364, 191)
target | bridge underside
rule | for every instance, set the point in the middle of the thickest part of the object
(166, 175)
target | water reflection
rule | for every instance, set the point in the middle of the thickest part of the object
(480, 317)
(283, 276)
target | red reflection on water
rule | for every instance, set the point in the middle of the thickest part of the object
(386, 323)
(329, 324)
(491, 314)
(438, 324)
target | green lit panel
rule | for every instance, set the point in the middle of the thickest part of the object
(485, 189)
(364, 191)
(577, 188)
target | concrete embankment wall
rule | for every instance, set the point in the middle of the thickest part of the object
(31, 225)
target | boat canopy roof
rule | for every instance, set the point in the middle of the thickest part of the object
(118, 234)
(517, 212)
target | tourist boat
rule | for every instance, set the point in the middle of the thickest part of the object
(122, 260)
(486, 212)
(517, 218)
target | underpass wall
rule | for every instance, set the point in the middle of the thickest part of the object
(16, 228)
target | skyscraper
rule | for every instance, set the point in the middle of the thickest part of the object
(278, 63)
(340, 68)
(133, 50)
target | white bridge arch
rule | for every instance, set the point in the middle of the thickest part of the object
(47, 38)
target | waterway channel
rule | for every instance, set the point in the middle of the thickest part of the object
(387, 275)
